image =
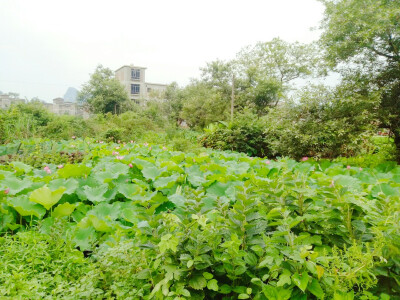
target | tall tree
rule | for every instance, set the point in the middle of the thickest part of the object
(362, 41)
(103, 93)
(267, 69)
(202, 105)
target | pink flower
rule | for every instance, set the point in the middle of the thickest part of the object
(73, 137)
(115, 153)
(119, 141)
(131, 142)
(117, 148)
(130, 166)
(267, 162)
(305, 158)
(60, 166)
(194, 160)
(6, 191)
(119, 157)
(332, 184)
(360, 169)
(164, 148)
(348, 167)
(101, 142)
(150, 148)
(146, 144)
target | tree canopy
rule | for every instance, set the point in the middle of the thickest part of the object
(103, 93)
(361, 39)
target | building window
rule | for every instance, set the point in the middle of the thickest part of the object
(135, 74)
(135, 89)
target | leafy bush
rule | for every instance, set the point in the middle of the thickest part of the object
(64, 127)
(245, 134)
(326, 123)
(378, 150)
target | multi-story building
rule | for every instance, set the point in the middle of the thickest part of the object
(61, 107)
(133, 78)
(6, 100)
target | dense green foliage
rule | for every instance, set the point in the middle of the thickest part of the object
(245, 134)
(361, 40)
(140, 221)
(110, 208)
(103, 93)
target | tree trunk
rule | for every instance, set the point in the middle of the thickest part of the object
(396, 134)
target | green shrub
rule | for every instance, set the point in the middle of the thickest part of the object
(245, 134)
(324, 123)
(113, 134)
(64, 127)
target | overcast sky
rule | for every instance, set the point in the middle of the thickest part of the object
(47, 46)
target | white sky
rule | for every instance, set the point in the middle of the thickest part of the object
(47, 46)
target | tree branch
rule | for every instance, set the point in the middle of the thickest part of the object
(382, 54)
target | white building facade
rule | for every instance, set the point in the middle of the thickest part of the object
(133, 78)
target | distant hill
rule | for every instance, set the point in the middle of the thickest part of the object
(71, 95)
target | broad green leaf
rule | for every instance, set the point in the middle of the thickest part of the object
(84, 238)
(16, 185)
(26, 208)
(177, 200)
(316, 289)
(301, 280)
(99, 225)
(70, 184)
(73, 171)
(218, 188)
(266, 262)
(276, 293)
(343, 296)
(168, 241)
(46, 225)
(284, 278)
(212, 285)
(165, 182)
(386, 189)
(144, 274)
(21, 166)
(208, 276)
(198, 282)
(225, 289)
(353, 184)
(64, 209)
(251, 259)
(95, 194)
(320, 271)
(151, 173)
(196, 180)
(46, 197)
(243, 296)
(129, 190)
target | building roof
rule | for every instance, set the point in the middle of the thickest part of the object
(130, 66)
(157, 84)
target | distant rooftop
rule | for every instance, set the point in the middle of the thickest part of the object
(130, 66)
